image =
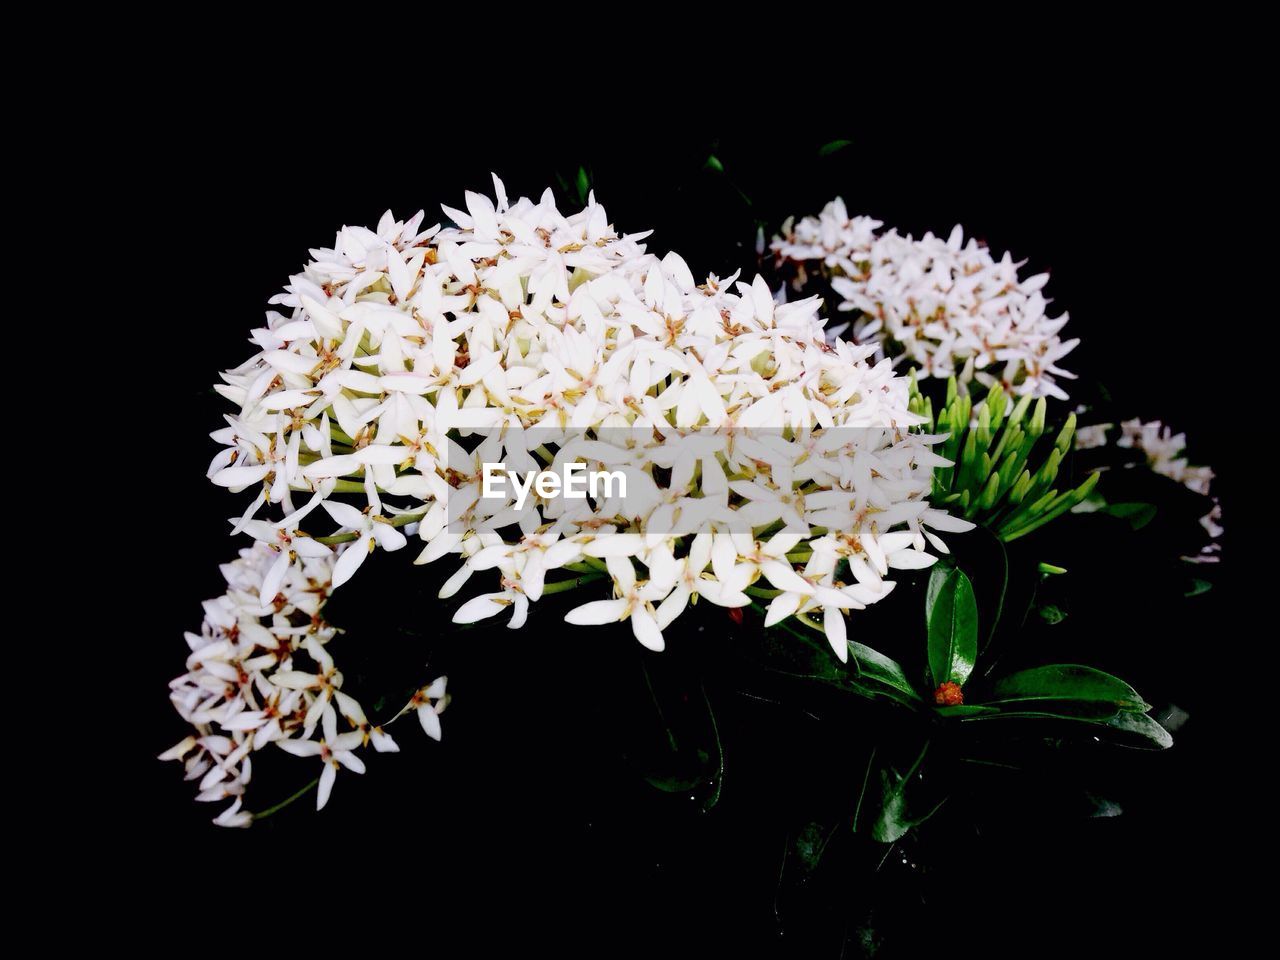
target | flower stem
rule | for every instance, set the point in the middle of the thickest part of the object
(288, 800)
(399, 521)
(563, 585)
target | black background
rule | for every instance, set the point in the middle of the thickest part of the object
(525, 827)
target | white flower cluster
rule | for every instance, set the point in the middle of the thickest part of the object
(1164, 451)
(553, 338)
(945, 306)
(259, 673)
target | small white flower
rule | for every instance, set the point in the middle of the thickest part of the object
(233, 816)
(373, 531)
(243, 689)
(527, 327)
(1164, 451)
(945, 306)
(428, 703)
(334, 750)
(546, 338)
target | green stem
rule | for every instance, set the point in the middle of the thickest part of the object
(563, 585)
(399, 521)
(288, 800)
(866, 778)
(718, 781)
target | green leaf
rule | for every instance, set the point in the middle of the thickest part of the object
(874, 666)
(1094, 711)
(1198, 587)
(953, 629)
(833, 147)
(893, 815)
(967, 710)
(891, 822)
(1109, 719)
(1138, 514)
(1142, 725)
(937, 579)
(583, 184)
(676, 747)
(674, 784)
(803, 654)
(713, 163)
(806, 848)
(1063, 682)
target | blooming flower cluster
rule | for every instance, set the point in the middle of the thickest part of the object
(763, 457)
(1164, 453)
(409, 358)
(946, 306)
(260, 673)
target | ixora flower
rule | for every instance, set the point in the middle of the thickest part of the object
(755, 452)
(260, 673)
(1164, 452)
(945, 306)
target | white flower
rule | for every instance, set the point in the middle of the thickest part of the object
(1092, 436)
(1164, 453)
(1163, 449)
(550, 338)
(244, 688)
(333, 749)
(428, 703)
(373, 530)
(233, 816)
(945, 306)
(636, 602)
(759, 459)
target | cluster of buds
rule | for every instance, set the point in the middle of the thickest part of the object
(990, 476)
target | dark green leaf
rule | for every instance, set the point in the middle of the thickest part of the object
(953, 629)
(1094, 711)
(1198, 587)
(1124, 725)
(674, 784)
(966, 710)
(891, 813)
(1143, 726)
(833, 147)
(872, 665)
(583, 184)
(1066, 681)
(891, 822)
(937, 579)
(807, 847)
(1138, 514)
(676, 746)
(713, 163)
(800, 653)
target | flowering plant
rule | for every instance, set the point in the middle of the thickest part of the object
(848, 504)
